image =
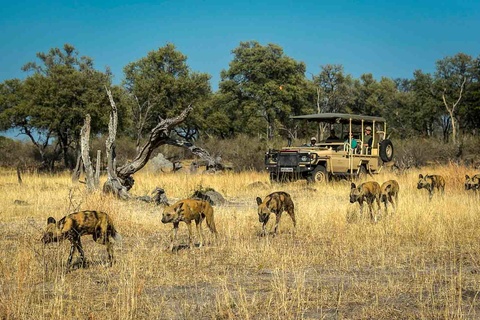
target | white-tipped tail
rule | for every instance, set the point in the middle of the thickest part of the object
(117, 237)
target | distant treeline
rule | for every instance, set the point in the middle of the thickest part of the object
(257, 94)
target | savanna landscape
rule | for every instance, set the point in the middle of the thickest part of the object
(421, 262)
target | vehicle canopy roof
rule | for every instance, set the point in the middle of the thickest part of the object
(338, 118)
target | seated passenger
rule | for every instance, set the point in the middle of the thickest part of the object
(333, 137)
(312, 143)
(353, 144)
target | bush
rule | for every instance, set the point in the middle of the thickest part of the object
(420, 152)
(16, 153)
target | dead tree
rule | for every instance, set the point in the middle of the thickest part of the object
(451, 108)
(120, 180)
(84, 143)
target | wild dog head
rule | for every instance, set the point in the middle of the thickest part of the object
(263, 209)
(355, 193)
(472, 183)
(173, 213)
(424, 181)
(52, 232)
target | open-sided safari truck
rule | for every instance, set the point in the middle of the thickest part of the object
(348, 155)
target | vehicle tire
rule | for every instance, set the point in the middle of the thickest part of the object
(319, 175)
(386, 150)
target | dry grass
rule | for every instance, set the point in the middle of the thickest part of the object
(422, 262)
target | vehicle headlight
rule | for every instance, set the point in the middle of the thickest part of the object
(304, 158)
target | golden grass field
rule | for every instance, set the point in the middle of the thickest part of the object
(423, 262)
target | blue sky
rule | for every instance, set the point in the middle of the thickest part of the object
(385, 38)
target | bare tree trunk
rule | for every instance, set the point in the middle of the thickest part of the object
(113, 184)
(19, 175)
(84, 145)
(98, 168)
(78, 167)
(451, 109)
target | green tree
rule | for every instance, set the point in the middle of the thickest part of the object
(261, 89)
(470, 111)
(53, 101)
(160, 86)
(334, 91)
(453, 78)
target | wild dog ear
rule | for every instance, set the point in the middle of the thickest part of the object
(51, 220)
(467, 177)
(420, 176)
(353, 186)
(179, 207)
(259, 201)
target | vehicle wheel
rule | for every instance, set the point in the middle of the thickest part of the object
(319, 175)
(386, 150)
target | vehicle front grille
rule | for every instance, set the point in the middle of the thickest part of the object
(288, 159)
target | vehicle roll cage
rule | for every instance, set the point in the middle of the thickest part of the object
(349, 119)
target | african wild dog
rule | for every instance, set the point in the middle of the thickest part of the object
(431, 182)
(389, 193)
(77, 224)
(472, 183)
(277, 203)
(186, 211)
(368, 191)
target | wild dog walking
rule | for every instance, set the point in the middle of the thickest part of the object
(431, 182)
(276, 203)
(472, 183)
(389, 193)
(186, 211)
(368, 191)
(77, 224)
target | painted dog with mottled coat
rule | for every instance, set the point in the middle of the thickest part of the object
(73, 226)
(189, 210)
(431, 182)
(472, 183)
(277, 203)
(369, 192)
(389, 193)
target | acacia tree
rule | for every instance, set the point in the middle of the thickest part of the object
(261, 89)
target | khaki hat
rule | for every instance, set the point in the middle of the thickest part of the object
(368, 128)
(313, 138)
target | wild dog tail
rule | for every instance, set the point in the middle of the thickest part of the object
(117, 237)
(211, 221)
(113, 232)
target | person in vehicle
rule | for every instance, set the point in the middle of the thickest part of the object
(367, 138)
(333, 137)
(313, 141)
(354, 143)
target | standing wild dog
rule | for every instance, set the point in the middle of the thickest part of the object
(472, 183)
(77, 224)
(368, 191)
(389, 192)
(186, 211)
(276, 203)
(431, 182)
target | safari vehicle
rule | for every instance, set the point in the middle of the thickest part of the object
(334, 158)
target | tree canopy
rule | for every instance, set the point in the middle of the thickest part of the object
(258, 93)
